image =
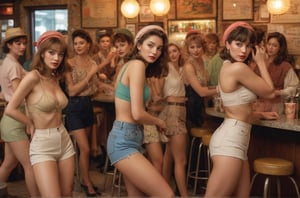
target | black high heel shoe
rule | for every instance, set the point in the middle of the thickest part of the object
(89, 194)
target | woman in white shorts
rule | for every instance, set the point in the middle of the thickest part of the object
(238, 86)
(51, 150)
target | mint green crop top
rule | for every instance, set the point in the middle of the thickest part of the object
(123, 91)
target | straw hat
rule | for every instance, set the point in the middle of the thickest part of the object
(12, 33)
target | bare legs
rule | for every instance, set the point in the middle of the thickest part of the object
(229, 177)
(55, 179)
(155, 155)
(141, 177)
(176, 149)
(81, 136)
(18, 152)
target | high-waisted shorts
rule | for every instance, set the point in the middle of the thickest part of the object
(53, 144)
(13, 130)
(79, 113)
(175, 117)
(231, 139)
(124, 140)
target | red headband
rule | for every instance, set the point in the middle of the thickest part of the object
(234, 26)
(49, 34)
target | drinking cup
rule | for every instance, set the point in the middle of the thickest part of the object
(290, 110)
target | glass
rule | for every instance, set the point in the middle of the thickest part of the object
(52, 19)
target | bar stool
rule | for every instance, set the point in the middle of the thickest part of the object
(203, 135)
(107, 172)
(117, 183)
(273, 168)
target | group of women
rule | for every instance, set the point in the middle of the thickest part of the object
(146, 68)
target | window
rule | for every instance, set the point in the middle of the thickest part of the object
(48, 19)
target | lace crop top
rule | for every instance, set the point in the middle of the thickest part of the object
(240, 96)
(123, 91)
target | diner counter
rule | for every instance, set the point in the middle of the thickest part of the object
(281, 123)
(271, 138)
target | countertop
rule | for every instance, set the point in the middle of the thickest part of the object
(281, 123)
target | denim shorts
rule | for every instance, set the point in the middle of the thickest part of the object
(79, 113)
(124, 140)
(231, 139)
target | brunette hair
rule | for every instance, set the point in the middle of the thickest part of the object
(5, 49)
(241, 34)
(153, 69)
(84, 35)
(38, 59)
(283, 54)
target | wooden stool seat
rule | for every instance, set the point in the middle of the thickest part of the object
(206, 139)
(273, 166)
(199, 132)
(97, 109)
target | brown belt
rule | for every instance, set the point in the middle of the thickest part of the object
(176, 103)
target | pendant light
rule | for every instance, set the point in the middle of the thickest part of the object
(130, 8)
(160, 7)
(278, 6)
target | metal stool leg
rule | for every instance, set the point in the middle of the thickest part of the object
(190, 159)
(296, 186)
(266, 187)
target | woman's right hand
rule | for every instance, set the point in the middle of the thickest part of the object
(260, 56)
(161, 126)
(30, 128)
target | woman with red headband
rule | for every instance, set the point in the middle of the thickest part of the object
(239, 87)
(51, 149)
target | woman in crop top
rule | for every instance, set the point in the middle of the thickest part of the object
(124, 144)
(13, 132)
(82, 83)
(239, 86)
(51, 149)
(174, 113)
(195, 79)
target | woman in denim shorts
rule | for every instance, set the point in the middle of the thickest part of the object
(126, 137)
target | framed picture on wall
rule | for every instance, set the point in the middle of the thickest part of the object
(237, 10)
(99, 13)
(200, 9)
(177, 29)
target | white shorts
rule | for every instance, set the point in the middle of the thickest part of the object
(231, 139)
